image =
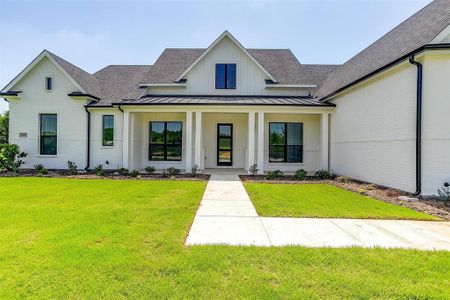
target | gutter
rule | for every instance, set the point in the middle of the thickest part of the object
(88, 150)
(418, 125)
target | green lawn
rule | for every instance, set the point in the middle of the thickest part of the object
(88, 239)
(323, 200)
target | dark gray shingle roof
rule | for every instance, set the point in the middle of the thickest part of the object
(281, 63)
(415, 32)
(118, 82)
(223, 100)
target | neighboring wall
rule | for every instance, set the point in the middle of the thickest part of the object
(24, 117)
(436, 121)
(372, 134)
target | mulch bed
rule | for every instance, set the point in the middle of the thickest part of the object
(431, 206)
(108, 175)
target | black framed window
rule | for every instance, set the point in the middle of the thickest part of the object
(108, 130)
(165, 141)
(48, 83)
(48, 134)
(286, 142)
(225, 76)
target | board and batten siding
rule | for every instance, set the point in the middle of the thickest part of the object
(35, 100)
(250, 80)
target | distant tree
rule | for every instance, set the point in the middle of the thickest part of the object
(4, 127)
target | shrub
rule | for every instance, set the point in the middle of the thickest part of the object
(98, 170)
(362, 191)
(300, 174)
(343, 179)
(11, 157)
(123, 171)
(323, 174)
(150, 169)
(72, 168)
(253, 169)
(173, 171)
(444, 193)
(274, 174)
(195, 169)
(134, 173)
(40, 169)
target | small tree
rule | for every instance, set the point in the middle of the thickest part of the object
(11, 157)
(4, 127)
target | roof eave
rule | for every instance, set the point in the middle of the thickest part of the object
(385, 67)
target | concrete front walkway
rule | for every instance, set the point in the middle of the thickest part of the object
(227, 216)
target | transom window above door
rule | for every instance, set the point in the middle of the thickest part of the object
(285, 142)
(165, 141)
(225, 76)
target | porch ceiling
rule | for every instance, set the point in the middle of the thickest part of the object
(224, 100)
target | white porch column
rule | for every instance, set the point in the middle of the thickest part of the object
(198, 139)
(189, 136)
(251, 139)
(324, 133)
(260, 143)
(125, 139)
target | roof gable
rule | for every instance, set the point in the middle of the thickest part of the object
(62, 65)
(417, 31)
(224, 35)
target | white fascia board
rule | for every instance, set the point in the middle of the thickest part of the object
(268, 86)
(34, 63)
(232, 38)
(163, 84)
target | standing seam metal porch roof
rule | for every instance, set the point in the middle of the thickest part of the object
(223, 100)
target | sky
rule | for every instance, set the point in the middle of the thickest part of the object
(94, 34)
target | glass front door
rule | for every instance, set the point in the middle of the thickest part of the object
(224, 144)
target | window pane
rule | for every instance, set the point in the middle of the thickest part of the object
(48, 145)
(174, 152)
(174, 135)
(276, 134)
(108, 130)
(294, 133)
(294, 154)
(48, 125)
(231, 76)
(220, 76)
(48, 83)
(156, 133)
(224, 130)
(156, 152)
(225, 144)
(224, 156)
(276, 153)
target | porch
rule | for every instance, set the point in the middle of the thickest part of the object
(225, 139)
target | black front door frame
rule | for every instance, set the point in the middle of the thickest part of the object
(230, 163)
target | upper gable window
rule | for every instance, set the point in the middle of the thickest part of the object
(225, 76)
(48, 83)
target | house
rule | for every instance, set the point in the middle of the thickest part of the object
(381, 117)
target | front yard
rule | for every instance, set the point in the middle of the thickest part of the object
(69, 238)
(324, 201)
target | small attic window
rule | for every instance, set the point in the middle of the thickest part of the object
(48, 83)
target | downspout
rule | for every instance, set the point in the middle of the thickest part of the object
(418, 126)
(88, 157)
(120, 108)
